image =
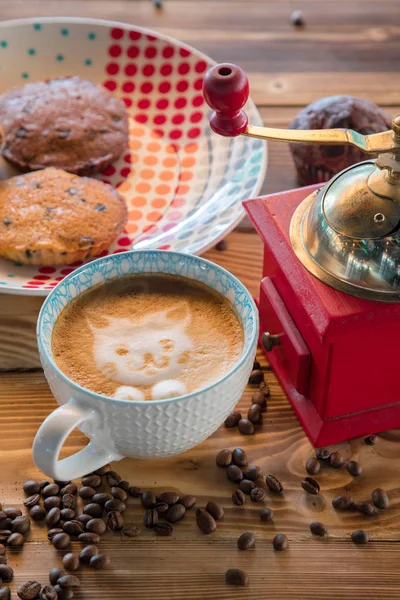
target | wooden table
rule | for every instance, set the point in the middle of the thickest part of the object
(347, 46)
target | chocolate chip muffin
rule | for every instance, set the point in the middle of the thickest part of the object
(51, 217)
(317, 164)
(68, 123)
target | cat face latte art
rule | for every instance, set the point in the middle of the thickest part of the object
(147, 337)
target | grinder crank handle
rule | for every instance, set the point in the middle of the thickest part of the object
(226, 90)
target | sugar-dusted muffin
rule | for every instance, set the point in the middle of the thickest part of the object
(317, 164)
(51, 217)
(68, 123)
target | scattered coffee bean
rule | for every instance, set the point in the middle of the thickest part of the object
(280, 542)
(29, 590)
(86, 492)
(52, 532)
(161, 507)
(119, 494)
(115, 521)
(70, 488)
(52, 502)
(354, 468)
(71, 561)
(13, 513)
(63, 594)
(336, 460)
(233, 419)
(4, 535)
(224, 458)
(234, 473)
(246, 540)
(48, 593)
(238, 497)
(92, 480)
(253, 472)
(84, 519)
(236, 577)
(205, 521)
(31, 488)
(175, 513)
(53, 517)
(264, 389)
(135, 492)
(256, 364)
(246, 427)
(163, 529)
(89, 538)
(360, 537)
(2, 549)
(88, 551)
(169, 497)
(6, 573)
(96, 526)
(222, 244)
(5, 523)
(3, 560)
(132, 530)
(371, 440)
(21, 524)
(266, 514)
(69, 582)
(16, 539)
(67, 514)
(50, 490)
(366, 509)
(323, 454)
(37, 513)
(310, 485)
(101, 498)
(343, 502)
(313, 466)
(109, 506)
(150, 518)
(95, 510)
(260, 399)
(5, 593)
(60, 484)
(380, 498)
(125, 485)
(254, 414)
(318, 528)
(61, 541)
(256, 377)
(69, 501)
(297, 19)
(239, 457)
(187, 501)
(215, 510)
(74, 527)
(103, 470)
(148, 499)
(99, 562)
(113, 478)
(274, 484)
(257, 494)
(43, 483)
(32, 501)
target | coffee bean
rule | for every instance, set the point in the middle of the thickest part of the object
(266, 514)
(175, 513)
(52, 502)
(238, 498)
(233, 419)
(87, 553)
(115, 521)
(313, 466)
(52, 532)
(50, 490)
(343, 502)
(366, 509)
(70, 488)
(215, 510)
(254, 414)
(5, 593)
(354, 468)
(63, 594)
(32, 501)
(119, 494)
(2, 549)
(61, 484)
(5, 523)
(246, 541)
(371, 440)
(264, 389)
(239, 457)
(67, 514)
(257, 494)
(280, 542)
(246, 427)
(71, 561)
(336, 460)
(69, 582)
(236, 577)
(101, 498)
(125, 485)
(234, 473)
(150, 518)
(69, 501)
(84, 519)
(3, 560)
(161, 507)
(205, 521)
(16, 539)
(148, 499)
(95, 510)
(74, 527)
(246, 485)
(103, 470)
(43, 483)
(256, 364)
(256, 377)
(89, 538)
(29, 590)
(6, 573)
(96, 526)
(61, 541)
(323, 454)
(253, 472)
(93, 481)
(310, 485)
(4, 535)
(360, 537)
(135, 492)
(109, 506)
(31, 487)
(164, 529)
(21, 525)
(99, 562)
(274, 484)
(12, 513)
(380, 498)
(318, 528)
(37, 513)
(53, 517)
(132, 530)
(224, 458)
(259, 399)
(187, 501)
(113, 478)
(48, 593)
(86, 492)
(169, 497)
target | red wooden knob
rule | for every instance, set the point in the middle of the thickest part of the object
(226, 91)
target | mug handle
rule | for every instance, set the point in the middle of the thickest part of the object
(50, 439)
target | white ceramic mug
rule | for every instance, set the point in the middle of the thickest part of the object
(119, 428)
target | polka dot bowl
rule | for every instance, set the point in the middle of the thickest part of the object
(183, 184)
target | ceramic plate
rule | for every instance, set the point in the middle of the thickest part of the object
(184, 185)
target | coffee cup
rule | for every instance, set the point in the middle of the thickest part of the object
(127, 428)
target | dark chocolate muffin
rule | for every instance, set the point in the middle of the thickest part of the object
(317, 164)
(68, 123)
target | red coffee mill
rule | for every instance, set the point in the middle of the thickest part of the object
(329, 299)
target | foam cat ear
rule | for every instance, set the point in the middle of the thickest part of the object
(179, 314)
(102, 322)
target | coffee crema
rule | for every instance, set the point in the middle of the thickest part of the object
(147, 337)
